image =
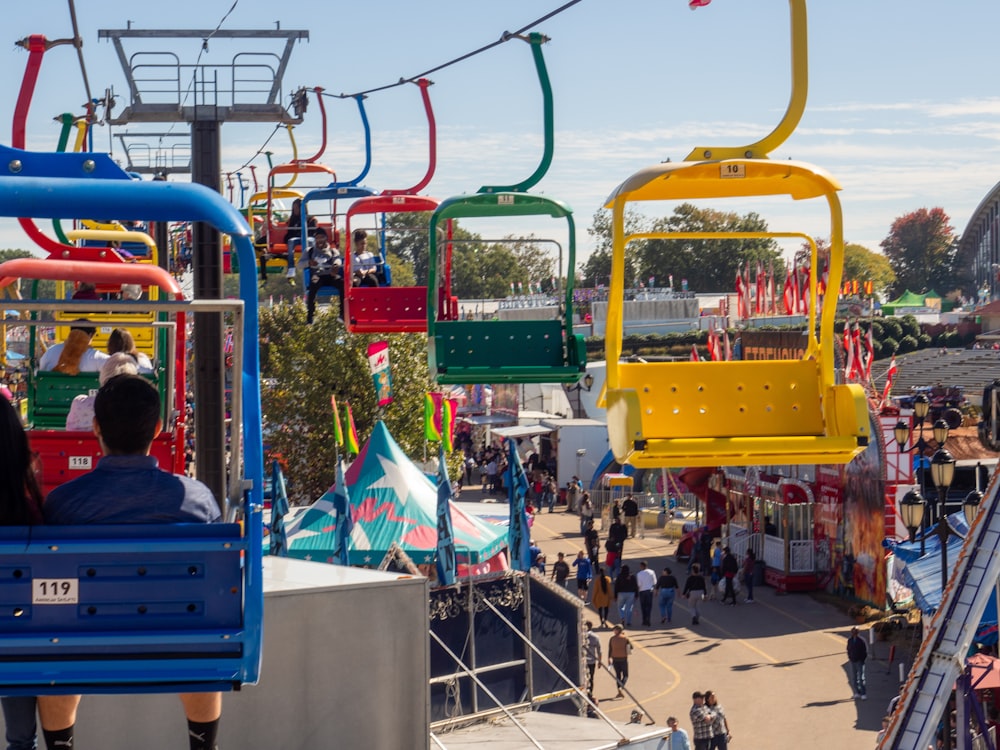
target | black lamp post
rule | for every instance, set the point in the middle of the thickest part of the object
(903, 434)
(586, 383)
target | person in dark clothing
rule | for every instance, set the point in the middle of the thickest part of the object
(857, 654)
(730, 567)
(592, 542)
(626, 594)
(618, 534)
(694, 590)
(630, 509)
(326, 267)
(293, 237)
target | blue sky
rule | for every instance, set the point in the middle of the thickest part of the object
(902, 106)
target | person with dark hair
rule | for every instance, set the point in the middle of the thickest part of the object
(626, 593)
(20, 505)
(326, 267)
(619, 648)
(720, 724)
(79, 355)
(694, 591)
(121, 340)
(667, 585)
(293, 237)
(749, 563)
(730, 569)
(601, 598)
(591, 654)
(127, 486)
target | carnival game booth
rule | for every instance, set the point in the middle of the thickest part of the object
(393, 504)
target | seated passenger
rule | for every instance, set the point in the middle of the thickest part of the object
(81, 411)
(326, 268)
(127, 486)
(121, 340)
(293, 238)
(80, 356)
(364, 265)
(86, 290)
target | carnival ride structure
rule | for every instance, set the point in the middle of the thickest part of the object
(505, 351)
(147, 608)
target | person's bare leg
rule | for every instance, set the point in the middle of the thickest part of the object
(203, 711)
(58, 717)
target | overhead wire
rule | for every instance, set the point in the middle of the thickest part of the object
(504, 38)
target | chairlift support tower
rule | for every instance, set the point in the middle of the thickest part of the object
(205, 95)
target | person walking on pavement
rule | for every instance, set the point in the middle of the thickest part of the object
(560, 570)
(584, 572)
(720, 725)
(678, 738)
(572, 495)
(857, 654)
(591, 654)
(626, 592)
(630, 509)
(701, 721)
(619, 647)
(667, 587)
(749, 563)
(716, 569)
(730, 568)
(592, 542)
(694, 591)
(646, 580)
(601, 598)
(586, 511)
(617, 533)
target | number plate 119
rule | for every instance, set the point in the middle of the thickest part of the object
(55, 591)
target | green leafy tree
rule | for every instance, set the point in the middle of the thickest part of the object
(708, 265)
(303, 365)
(596, 270)
(45, 289)
(864, 265)
(921, 248)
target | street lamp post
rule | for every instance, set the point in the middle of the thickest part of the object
(586, 383)
(903, 434)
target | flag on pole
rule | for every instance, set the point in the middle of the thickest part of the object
(345, 521)
(714, 349)
(787, 296)
(447, 562)
(279, 509)
(741, 310)
(870, 351)
(518, 536)
(889, 376)
(729, 348)
(447, 424)
(378, 363)
(848, 352)
(859, 353)
(772, 307)
(338, 431)
(432, 416)
(694, 353)
(353, 444)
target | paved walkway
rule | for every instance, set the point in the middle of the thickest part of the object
(778, 665)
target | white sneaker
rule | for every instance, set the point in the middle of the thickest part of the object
(855, 695)
(290, 274)
(864, 697)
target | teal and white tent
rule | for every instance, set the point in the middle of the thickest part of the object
(392, 501)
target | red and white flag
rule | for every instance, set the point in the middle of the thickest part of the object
(859, 353)
(889, 377)
(741, 310)
(772, 306)
(870, 352)
(788, 295)
(848, 352)
(728, 346)
(694, 353)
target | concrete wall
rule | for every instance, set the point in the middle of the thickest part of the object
(345, 665)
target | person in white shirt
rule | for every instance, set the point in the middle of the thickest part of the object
(363, 263)
(90, 361)
(647, 582)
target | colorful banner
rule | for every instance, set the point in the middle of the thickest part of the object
(338, 431)
(432, 416)
(447, 561)
(353, 444)
(518, 531)
(378, 362)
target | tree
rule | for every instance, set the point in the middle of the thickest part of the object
(303, 365)
(921, 248)
(708, 265)
(596, 270)
(864, 265)
(45, 289)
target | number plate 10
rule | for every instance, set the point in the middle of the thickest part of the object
(55, 591)
(732, 171)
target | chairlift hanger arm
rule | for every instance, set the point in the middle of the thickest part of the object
(796, 104)
(536, 40)
(424, 85)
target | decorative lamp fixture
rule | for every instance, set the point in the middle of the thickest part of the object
(911, 510)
